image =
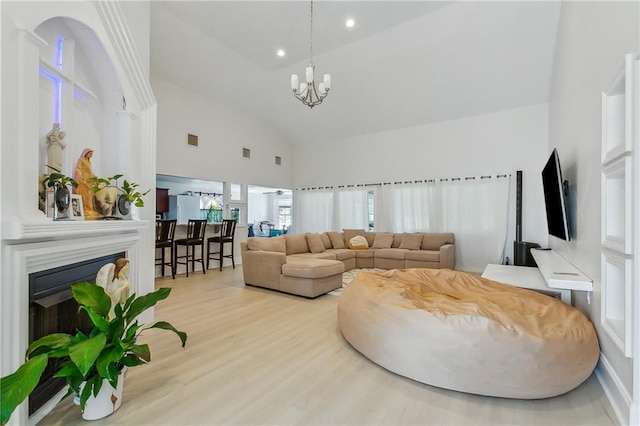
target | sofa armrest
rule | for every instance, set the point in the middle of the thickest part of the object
(263, 268)
(448, 256)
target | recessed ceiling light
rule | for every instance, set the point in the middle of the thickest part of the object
(280, 53)
(350, 23)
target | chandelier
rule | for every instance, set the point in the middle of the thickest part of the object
(309, 93)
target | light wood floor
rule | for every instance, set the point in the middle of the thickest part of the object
(258, 357)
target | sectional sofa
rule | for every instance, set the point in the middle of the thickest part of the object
(312, 264)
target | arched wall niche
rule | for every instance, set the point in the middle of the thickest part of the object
(127, 147)
(80, 89)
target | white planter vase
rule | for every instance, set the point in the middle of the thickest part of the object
(107, 401)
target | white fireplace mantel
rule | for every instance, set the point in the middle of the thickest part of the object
(47, 228)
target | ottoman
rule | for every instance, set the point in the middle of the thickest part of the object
(462, 332)
(311, 277)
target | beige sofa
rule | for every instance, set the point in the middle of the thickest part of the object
(312, 264)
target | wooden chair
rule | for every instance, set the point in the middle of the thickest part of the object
(165, 231)
(227, 235)
(195, 237)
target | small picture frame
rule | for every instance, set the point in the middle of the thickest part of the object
(49, 203)
(77, 209)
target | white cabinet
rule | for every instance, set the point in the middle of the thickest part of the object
(620, 205)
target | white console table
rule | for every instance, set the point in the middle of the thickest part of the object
(553, 274)
(524, 277)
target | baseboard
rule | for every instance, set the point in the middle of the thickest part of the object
(616, 393)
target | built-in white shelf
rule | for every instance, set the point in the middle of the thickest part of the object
(619, 217)
(559, 273)
(616, 196)
(617, 272)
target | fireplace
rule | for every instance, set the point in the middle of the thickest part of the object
(52, 309)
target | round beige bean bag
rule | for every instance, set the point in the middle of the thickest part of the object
(458, 331)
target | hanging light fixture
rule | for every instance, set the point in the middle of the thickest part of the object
(308, 93)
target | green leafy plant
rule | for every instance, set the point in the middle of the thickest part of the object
(57, 179)
(111, 345)
(133, 195)
(129, 189)
(100, 182)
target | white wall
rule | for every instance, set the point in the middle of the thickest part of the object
(497, 143)
(592, 40)
(222, 133)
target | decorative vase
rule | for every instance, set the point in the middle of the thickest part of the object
(61, 203)
(105, 403)
(104, 202)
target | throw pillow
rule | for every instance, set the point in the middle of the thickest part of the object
(435, 241)
(382, 241)
(296, 243)
(411, 241)
(326, 240)
(337, 240)
(358, 243)
(350, 233)
(267, 244)
(315, 243)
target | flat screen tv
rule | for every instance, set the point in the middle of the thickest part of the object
(555, 198)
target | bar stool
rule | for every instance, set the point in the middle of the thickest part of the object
(165, 231)
(227, 234)
(195, 237)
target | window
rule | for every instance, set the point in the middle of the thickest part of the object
(371, 204)
(284, 214)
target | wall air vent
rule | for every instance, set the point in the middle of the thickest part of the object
(246, 152)
(192, 140)
(278, 160)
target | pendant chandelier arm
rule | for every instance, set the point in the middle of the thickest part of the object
(310, 94)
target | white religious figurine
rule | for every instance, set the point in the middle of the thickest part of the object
(114, 279)
(55, 145)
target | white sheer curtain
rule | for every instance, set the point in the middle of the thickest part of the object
(475, 210)
(407, 207)
(313, 210)
(350, 209)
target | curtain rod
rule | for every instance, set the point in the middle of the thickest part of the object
(400, 182)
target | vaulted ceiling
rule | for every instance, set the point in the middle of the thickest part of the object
(403, 64)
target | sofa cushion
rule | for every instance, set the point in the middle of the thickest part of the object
(383, 240)
(390, 253)
(397, 239)
(325, 240)
(358, 243)
(411, 241)
(267, 244)
(323, 255)
(337, 240)
(423, 255)
(296, 243)
(312, 268)
(435, 241)
(315, 243)
(366, 254)
(371, 237)
(343, 254)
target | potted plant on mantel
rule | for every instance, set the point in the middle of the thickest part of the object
(59, 182)
(89, 363)
(109, 203)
